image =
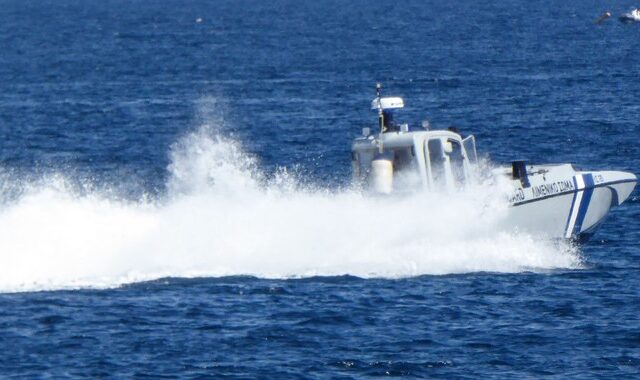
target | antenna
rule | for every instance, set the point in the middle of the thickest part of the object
(380, 114)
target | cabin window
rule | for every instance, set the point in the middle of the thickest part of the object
(437, 161)
(403, 159)
(457, 161)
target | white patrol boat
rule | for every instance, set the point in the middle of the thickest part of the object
(555, 201)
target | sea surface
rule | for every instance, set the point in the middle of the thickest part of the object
(175, 197)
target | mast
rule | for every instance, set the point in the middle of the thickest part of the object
(380, 116)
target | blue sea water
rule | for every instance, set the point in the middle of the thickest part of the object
(174, 193)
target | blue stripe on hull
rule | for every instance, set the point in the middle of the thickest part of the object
(584, 204)
(573, 203)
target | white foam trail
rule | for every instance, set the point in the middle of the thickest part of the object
(222, 217)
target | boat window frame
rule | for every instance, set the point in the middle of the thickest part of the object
(442, 182)
(457, 163)
(469, 146)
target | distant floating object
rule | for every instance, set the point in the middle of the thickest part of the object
(633, 16)
(604, 17)
(199, 20)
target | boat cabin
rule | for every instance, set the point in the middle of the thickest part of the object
(402, 160)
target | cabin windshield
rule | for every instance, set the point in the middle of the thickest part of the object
(446, 163)
(456, 158)
(437, 161)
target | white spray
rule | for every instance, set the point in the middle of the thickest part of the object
(221, 217)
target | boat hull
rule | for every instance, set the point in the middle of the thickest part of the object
(570, 207)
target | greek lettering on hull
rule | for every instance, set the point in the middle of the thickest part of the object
(552, 188)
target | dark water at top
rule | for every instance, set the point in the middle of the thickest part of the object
(100, 91)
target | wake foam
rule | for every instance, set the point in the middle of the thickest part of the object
(221, 216)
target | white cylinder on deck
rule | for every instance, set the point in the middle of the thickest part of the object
(382, 175)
